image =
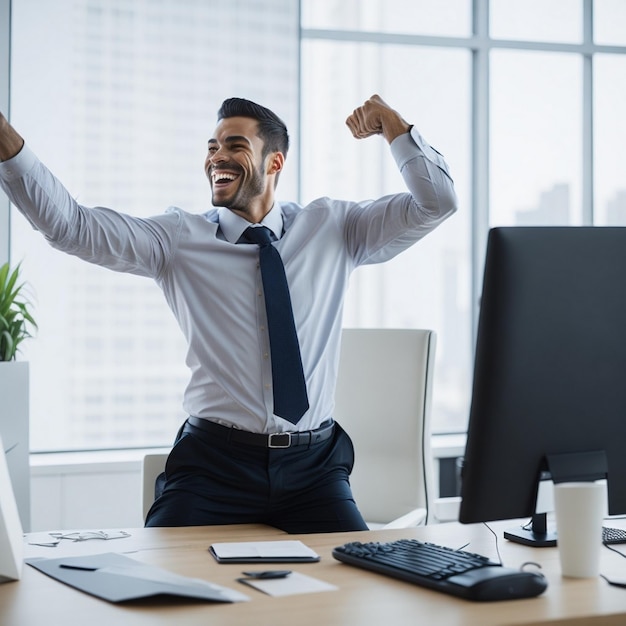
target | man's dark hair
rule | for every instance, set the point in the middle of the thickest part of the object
(272, 129)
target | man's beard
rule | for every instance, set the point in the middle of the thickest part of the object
(249, 188)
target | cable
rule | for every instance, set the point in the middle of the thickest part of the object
(609, 547)
(496, 540)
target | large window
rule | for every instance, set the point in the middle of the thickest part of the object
(426, 286)
(536, 138)
(119, 98)
(523, 97)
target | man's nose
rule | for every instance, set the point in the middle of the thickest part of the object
(218, 156)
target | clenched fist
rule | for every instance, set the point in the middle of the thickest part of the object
(376, 117)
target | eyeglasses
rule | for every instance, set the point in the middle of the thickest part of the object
(81, 536)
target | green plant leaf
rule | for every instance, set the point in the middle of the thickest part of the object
(7, 346)
(4, 272)
(15, 317)
(12, 280)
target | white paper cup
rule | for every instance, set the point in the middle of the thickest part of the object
(579, 509)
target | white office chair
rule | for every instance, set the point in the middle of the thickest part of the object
(152, 465)
(383, 401)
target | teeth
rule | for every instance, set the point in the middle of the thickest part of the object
(219, 176)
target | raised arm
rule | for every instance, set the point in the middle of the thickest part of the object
(10, 141)
(99, 235)
(378, 230)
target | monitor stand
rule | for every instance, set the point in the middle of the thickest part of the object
(536, 536)
(572, 466)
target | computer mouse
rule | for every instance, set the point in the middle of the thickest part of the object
(499, 583)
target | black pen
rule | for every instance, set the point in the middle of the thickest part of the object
(268, 574)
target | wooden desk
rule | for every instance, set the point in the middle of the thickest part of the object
(363, 598)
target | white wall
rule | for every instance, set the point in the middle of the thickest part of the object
(70, 492)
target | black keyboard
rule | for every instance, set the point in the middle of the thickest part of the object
(456, 572)
(613, 535)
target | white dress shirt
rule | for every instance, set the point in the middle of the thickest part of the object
(214, 287)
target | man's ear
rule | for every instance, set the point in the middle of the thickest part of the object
(275, 162)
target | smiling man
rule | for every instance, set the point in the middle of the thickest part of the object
(257, 287)
(236, 167)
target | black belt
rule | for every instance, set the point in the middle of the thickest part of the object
(273, 440)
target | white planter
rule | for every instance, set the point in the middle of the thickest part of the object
(14, 429)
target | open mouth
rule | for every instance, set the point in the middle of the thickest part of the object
(221, 179)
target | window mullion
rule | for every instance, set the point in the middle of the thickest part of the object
(587, 121)
(5, 73)
(480, 148)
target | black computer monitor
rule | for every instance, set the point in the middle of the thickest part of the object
(549, 391)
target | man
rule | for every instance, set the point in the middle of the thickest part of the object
(254, 449)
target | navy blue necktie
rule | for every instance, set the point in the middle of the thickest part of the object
(290, 396)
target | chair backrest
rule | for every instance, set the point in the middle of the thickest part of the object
(153, 464)
(383, 398)
(383, 401)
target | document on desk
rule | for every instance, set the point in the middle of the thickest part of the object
(263, 552)
(293, 584)
(118, 578)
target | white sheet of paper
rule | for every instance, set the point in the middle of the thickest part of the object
(263, 549)
(293, 584)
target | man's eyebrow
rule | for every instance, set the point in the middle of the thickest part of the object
(233, 139)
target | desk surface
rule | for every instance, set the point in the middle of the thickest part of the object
(363, 598)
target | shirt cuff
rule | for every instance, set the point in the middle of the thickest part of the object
(15, 167)
(403, 150)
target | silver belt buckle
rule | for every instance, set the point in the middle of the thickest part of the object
(272, 436)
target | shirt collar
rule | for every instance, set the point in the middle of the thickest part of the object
(233, 225)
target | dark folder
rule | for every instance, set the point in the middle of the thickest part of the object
(117, 578)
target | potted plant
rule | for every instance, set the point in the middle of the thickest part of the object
(16, 325)
(15, 318)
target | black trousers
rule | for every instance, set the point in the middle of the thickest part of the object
(302, 489)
